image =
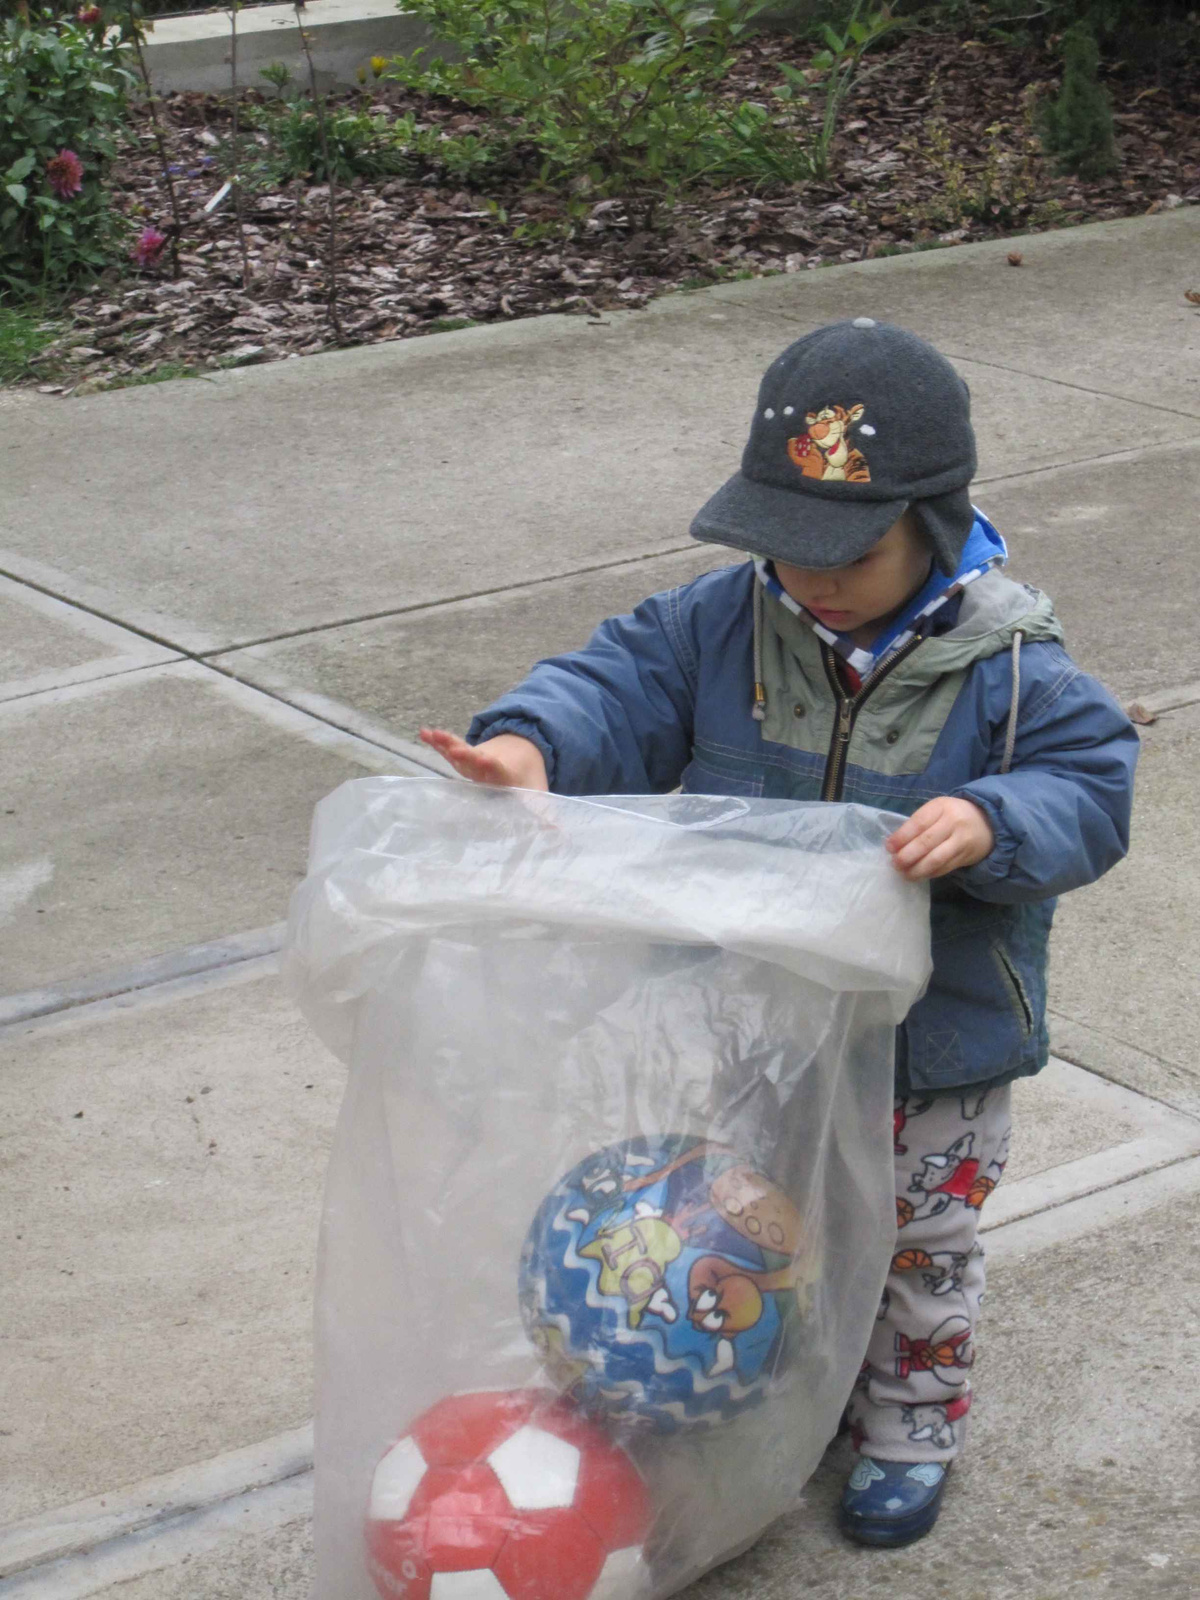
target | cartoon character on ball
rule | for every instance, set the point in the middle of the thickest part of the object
(661, 1281)
(507, 1495)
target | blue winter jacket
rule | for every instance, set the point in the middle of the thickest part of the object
(664, 698)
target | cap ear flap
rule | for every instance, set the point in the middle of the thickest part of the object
(946, 521)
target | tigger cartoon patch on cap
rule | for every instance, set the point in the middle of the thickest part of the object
(824, 450)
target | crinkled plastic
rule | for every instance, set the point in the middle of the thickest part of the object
(617, 1127)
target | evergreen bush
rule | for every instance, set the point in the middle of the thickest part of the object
(1076, 126)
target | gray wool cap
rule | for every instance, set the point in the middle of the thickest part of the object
(855, 423)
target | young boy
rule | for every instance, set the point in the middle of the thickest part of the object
(873, 652)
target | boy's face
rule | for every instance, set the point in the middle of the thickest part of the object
(862, 598)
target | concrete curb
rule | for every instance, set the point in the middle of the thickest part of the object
(193, 52)
(183, 963)
(71, 1530)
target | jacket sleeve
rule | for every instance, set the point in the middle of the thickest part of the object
(1061, 814)
(616, 716)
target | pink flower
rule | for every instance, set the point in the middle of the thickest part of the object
(149, 246)
(88, 16)
(65, 173)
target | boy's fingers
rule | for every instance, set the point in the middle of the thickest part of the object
(440, 740)
(896, 841)
(448, 744)
(915, 826)
(475, 762)
(928, 839)
(464, 758)
(939, 861)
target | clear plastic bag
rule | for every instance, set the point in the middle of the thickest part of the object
(617, 1129)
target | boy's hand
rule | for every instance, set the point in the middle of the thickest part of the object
(942, 836)
(507, 760)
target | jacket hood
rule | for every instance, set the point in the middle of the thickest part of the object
(993, 610)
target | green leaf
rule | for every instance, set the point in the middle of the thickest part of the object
(18, 191)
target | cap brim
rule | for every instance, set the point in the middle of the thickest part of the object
(803, 530)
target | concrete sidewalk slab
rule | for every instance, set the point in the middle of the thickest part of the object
(1123, 1063)
(1054, 1497)
(161, 1189)
(205, 1105)
(1097, 308)
(414, 472)
(1085, 1442)
(152, 810)
(443, 663)
(1124, 957)
(150, 1188)
(332, 489)
(46, 644)
(31, 643)
(1113, 543)
(1081, 533)
(1060, 1116)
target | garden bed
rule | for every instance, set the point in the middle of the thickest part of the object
(934, 149)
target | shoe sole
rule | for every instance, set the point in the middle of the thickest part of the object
(882, 1533)
(877, 1538)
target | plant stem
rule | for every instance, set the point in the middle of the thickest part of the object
(135, 32)
(236, 178)
(319, 104)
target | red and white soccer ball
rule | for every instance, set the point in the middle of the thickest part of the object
(508, 1495)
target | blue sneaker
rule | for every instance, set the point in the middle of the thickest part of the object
(891, 1502)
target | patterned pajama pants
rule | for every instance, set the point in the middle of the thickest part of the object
(912, 1397)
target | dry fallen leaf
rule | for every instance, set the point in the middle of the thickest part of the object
(1015, 258)
(1193, 295)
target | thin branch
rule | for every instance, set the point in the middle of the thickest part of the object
(135, 32)
(319, 104)
(236, 175)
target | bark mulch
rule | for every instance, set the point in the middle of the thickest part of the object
(934, 149)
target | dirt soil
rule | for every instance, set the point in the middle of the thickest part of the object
(934, 149)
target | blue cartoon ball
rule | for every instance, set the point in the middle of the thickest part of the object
(660, 1282)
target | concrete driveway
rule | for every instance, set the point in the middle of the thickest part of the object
(222, 597)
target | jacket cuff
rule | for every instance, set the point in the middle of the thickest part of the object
(995, 866)
(480, 732)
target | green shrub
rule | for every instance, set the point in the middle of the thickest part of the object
(611, 93)
(63, 89)
(836, 68)
(360, 143)
(1076, 127)
(998, 190)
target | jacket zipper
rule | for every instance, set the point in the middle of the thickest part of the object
(848, 707)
